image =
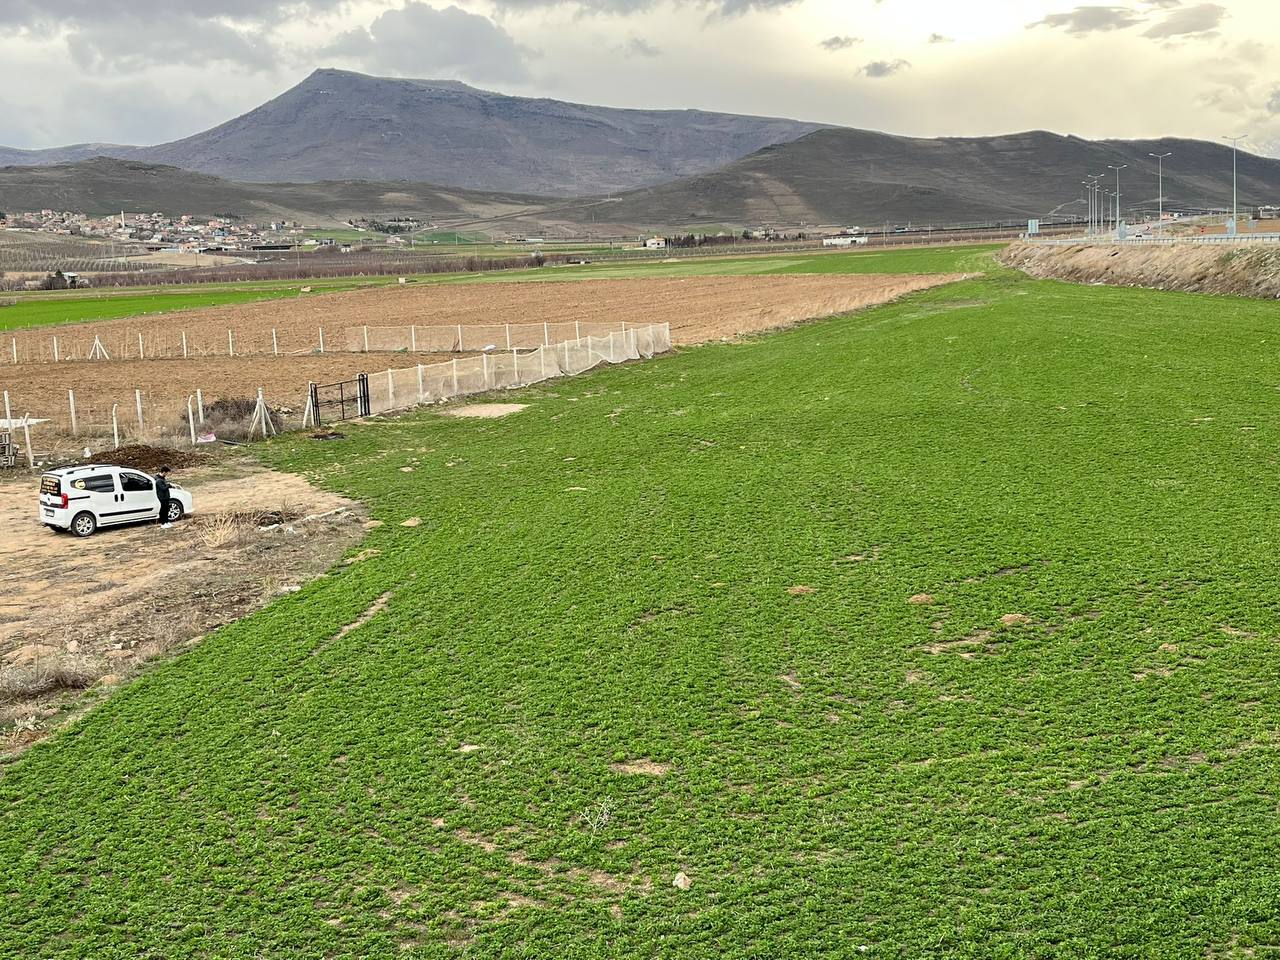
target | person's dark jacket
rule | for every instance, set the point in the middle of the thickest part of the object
(162, 488)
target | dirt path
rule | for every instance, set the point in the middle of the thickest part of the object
(79, 613)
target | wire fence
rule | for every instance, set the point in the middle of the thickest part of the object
(155, 344)
(405, 387)
(175, 417)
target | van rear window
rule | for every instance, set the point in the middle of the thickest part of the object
(50, 485)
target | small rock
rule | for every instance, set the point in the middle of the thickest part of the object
(73, 646)
(406, 469)
(800, 590)
(110, 680)
(682, 881)
(921, 598)
(411, 522)
(1014, 619)
(469, 748)
(372, 524)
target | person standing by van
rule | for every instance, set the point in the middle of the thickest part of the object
(162, 494)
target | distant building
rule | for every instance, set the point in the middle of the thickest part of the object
(656, 243)
(1269, 213)
(843, 241)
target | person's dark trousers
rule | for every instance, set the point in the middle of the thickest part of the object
(164, 510)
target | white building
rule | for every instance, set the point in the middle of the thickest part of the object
(656, 243)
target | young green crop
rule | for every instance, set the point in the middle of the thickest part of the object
(1026, 704)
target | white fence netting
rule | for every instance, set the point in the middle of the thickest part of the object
(405, 387)
(463, 338)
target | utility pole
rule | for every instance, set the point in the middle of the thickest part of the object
(1235, 180)
(1117, 170)
(1160, 159)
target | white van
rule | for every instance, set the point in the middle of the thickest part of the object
(81, 499)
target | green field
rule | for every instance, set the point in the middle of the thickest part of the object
(1066, 747)
(30, 310)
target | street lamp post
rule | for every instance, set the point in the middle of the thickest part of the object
(1235, 208)
(1096, 192)
(1160, 159)
(1117, 170)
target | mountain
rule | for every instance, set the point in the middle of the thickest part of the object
(843, 176)
(11, 156)
(106, 185)
(338, 125)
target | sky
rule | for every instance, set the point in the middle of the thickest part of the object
(148, 71)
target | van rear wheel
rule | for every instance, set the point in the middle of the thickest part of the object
(84, 524)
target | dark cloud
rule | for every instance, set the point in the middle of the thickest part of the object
(1089, 19)
(419, 40)
(839, 43)
(878, 69)
(80, 14)
(1201, 19)
(939, 38)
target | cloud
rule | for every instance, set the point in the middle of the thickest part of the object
(640, 47)
(1204, 18)
(878, 69)
(939, 38)
(839, 43)
(1273, 105)
(720, 8)
(419, 40)
(1083, 20)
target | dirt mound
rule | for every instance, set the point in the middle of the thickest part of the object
(1245, 270)
(149, 459)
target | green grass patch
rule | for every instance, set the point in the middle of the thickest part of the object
(1065, 747)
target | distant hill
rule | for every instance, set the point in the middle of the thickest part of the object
(860, 177)
(11, 156)
(339, 125)
(105, 185)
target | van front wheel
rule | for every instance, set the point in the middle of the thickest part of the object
(84, 525)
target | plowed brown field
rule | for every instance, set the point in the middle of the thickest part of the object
(697, 308)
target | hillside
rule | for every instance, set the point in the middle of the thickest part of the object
(858, 176)
(338, 125)
(104, 185)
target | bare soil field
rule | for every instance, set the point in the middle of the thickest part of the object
(698, 308)
(41, 388)
(81, 615)
(1247, 270)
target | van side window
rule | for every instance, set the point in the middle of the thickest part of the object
(103, 483)
(134, 483)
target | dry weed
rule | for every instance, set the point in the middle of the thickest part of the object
(31, 680)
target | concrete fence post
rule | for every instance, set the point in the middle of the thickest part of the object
(137, 399)
(422, 390)
(459, 338)
(13, 345)
(71, 403)
(321, 339)
(413, 338)
(366, 339)
(8, 414)
(200, 405)
(115, 427)
(546, 334)
(55, 350)
(184, 344)
(484, 365)
(275, 344)
(26, 433)
(508, 330)
(141, 348)
(391, 390)
(455, 385)
(577, 330)
(515, 361)
(191, 421)
(231, 344)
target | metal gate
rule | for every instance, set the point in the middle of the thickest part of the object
(344, 400)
